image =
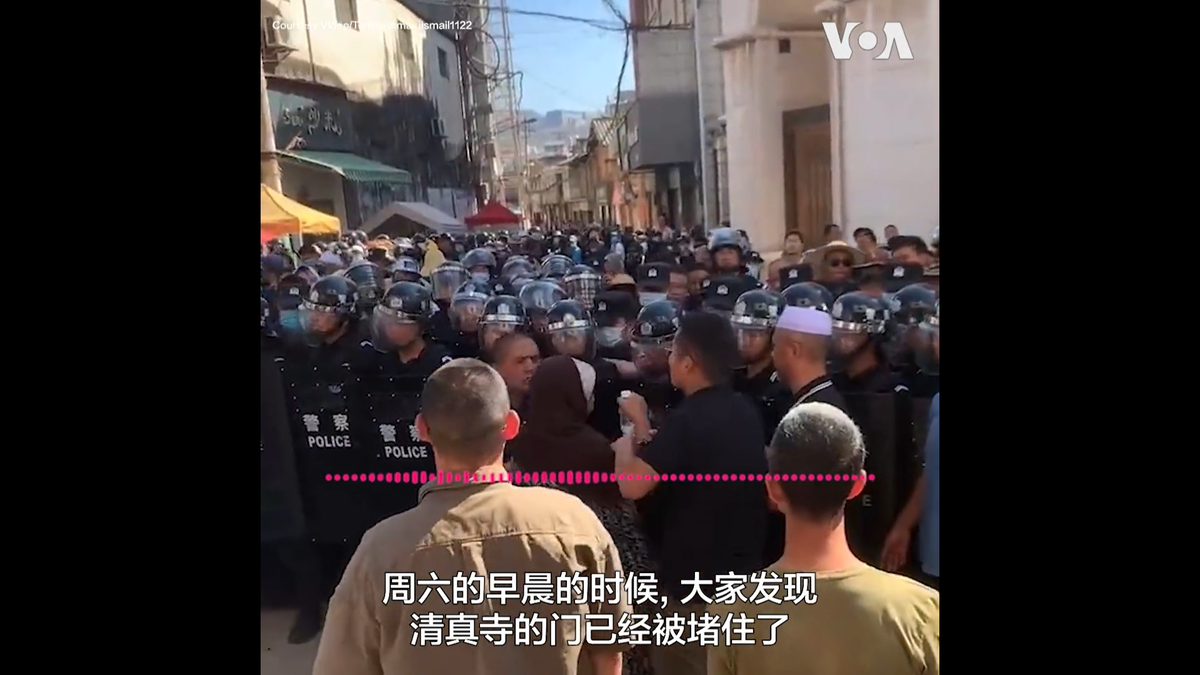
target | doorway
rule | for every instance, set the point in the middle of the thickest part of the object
(808, 172)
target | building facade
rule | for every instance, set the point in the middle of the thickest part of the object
(367, 105)
(710, 79)
(811, 139)
(668, 139)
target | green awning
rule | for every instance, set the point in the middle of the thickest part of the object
(351, 166)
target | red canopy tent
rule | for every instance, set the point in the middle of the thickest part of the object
(493, 213)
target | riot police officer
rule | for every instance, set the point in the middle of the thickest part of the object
(582, 283)
(556, 267)
(466, 306)
(328, 318)
(480, 264)
(398, 325)
(808, 294)
(503, 314)
(518, 266)
(570, 330)
(366, 277)
(725, 247)
(650, 341)
(537, 297)
(407, 268)
(856, 360)
(445, 280)
(910, 307)
(753, 320)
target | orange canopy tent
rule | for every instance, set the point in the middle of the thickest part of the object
(493, 213)
(280, 216)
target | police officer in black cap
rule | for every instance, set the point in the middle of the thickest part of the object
(614, 314)
(856, 359)
(503, 314)
(398, 325)
(290, 293)
(652, 282)
(329, 319)
(794, 274)
(721, 293)
(910, 308)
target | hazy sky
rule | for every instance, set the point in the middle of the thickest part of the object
(567, 65)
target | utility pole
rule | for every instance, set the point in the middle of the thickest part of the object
(269, 171)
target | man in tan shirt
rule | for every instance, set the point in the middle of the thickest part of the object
(399, 607)
(854, 619)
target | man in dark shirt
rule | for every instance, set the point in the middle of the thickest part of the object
(799, 350)
(710, 528)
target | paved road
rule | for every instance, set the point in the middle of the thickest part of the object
(275, 655)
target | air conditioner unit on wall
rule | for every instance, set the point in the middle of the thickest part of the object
(275, 39)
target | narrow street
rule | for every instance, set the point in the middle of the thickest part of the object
(276, 656)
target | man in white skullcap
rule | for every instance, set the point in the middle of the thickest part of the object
(798, 349)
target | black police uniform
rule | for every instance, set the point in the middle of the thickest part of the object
(910, 306)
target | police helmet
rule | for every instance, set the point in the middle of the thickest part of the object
(291, 291)
(308, 273)
(656, 324)
(911, 305)
(858, 313)
(518, 266)
(447, 278)
(503, 309)
(556, 266)
(582, 283)
(808, 294)
(758, 308)
(480, 257)
(538, 296)
(332, 295)
(406, 302)
(406, 268)
(724, 237)
(567, 314)
(466, 305)
(365, 276)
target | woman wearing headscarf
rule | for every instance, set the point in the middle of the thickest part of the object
(556, 438)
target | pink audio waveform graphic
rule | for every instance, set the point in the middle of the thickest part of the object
(573, 477)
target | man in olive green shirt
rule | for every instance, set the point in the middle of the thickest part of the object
(856, 620)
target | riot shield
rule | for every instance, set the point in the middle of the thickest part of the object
(331, 467)
(281, 511)
(384, 422)
(871, 515)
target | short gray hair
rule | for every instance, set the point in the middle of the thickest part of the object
(820, 439)
(465, 405)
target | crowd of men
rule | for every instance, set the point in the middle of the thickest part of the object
(651, 354)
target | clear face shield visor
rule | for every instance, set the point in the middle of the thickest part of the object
(318, 322)
(392, 330)
(465, 311)
(446, 281)
(754, 342)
